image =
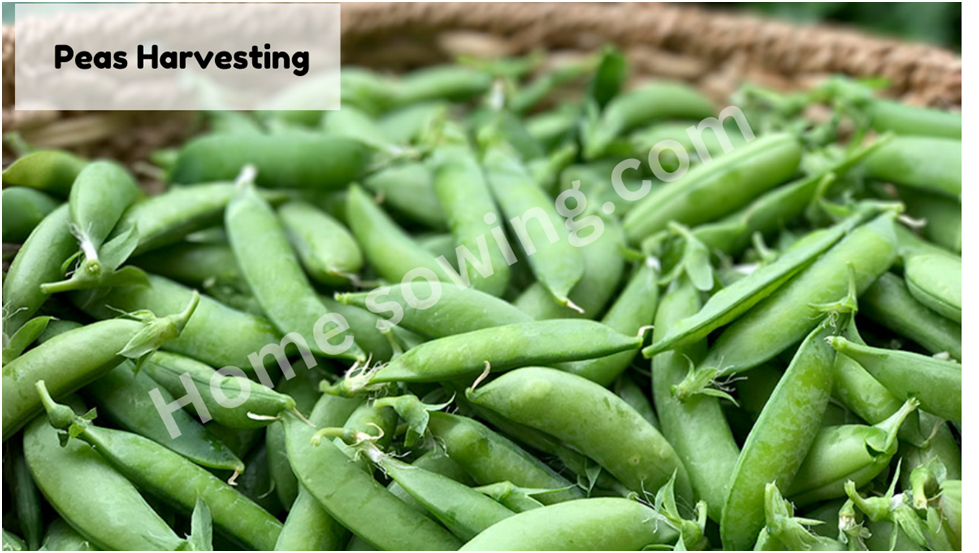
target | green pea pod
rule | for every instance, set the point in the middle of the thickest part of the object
(853, 452)
(888, 115)
(38, 261)
(326, 248)
(455, 311)
(656, 101)
(254, 405)
(100, 195)
(389, 250)
(556, 263)
(51, 171)
(364, 326)
(889, 303)
(490, 457)
(152, 466)
(455, 83)
(779, 440)
(464, 196)
(695, 428)
(636, 397)
(550, 128)
(304, 389)
(714, 189)
(285, 160)
(366, 89)
(464, 511)
(355, 499)
(432, 461)
(201, 265)
(276, 278)
(122, 396)
(100, 503)
(308, 527)
(935, 280)
(936, 383)
(942, 217)
(499, 348)
(581, 524)
(616, 436)
(61, 537)
(407, 124)
(13, 542)
(408, 190)
(23, 209)
(27, 500)
(860, 392)
(788, 314)
(633, 309)
(931, 164)
(646, 139)
(355, 124)
(603, 271)
(217, 335)
(169, 217)
(734, 300)
(534, 92)
(71, 360)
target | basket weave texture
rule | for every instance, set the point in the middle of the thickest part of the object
(715, 51)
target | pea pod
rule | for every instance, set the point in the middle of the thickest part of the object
(628, 111)
(326, 248)
(889, 303)
(285, 160)
(406, 124)
(51, 171)
(388, 248)
(464, 196)
(597, 523)
(27, 500)
(169, 217)
(356, 124)
(932, 164)
(61, 537)
(603, 271)
(733, 301)
(23, 209)
(218, 335)
(122, 396)
(695, 428)
(942, 217)
(852, 452)
(38, 261)
(936, 383)
(779, 440)
(255, 406)
(501, 348)
(202, 265)
(456, 311)
(99, 196)
(89, 352)
(101, 504)
(152, 466)
(616, 436)
(308, 527)
(933, 276)
(464, 511)
(633, 309)
(785, 316)
(408, 190)
(556, 263)
(711, 190)
(355, 499)
(443, 82)
(274, 275)
(630, 392)
(432, 461)
(490, 457)
(888, 115)
(784, 532)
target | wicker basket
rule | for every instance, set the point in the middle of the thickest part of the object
(715, 51)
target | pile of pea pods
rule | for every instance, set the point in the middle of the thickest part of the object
(500, 304)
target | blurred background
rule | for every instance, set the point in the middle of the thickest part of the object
(938, 23)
